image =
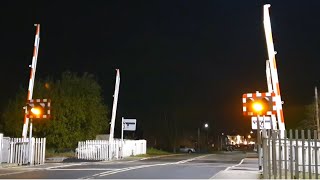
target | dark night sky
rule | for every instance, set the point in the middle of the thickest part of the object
(196, 58)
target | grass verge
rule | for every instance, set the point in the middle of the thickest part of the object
(153, 152)
(52, 153)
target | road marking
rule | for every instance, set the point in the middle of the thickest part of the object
(188, 160)
(212, 177)
(85, 169)
(13, 173)
(144, 166)
(63, 166)
(235, 165)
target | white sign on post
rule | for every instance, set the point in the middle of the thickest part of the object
(265, 122)
(129, 124)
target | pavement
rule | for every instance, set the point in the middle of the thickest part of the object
(246, 169)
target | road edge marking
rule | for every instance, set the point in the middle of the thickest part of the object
(212, 177)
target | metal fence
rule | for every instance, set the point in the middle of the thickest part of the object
(290, 154)
(99, 149)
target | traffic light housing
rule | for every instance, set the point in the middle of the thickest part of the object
(39, 108)
(259, 104)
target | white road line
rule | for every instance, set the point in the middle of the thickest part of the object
(85, 169)
(234, 165)
(212, 177)
(66, 165)
(146, 166)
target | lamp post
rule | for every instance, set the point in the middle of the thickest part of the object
(221, 141)
(206, 126)
(198, 139)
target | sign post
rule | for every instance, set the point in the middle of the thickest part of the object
(127, 125)
(36, 109)
(259, 105)
(122, 137)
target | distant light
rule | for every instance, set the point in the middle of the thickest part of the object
(206, 125)
(238, 141)
(245, 142)
(47, 85)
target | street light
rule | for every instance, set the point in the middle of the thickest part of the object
(206, 125)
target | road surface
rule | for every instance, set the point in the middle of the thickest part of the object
(181, 166)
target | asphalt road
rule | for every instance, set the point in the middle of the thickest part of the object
(181, 166)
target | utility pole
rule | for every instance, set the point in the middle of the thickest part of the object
(317, 110)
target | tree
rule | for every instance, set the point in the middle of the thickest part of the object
(309, 121)
(78, 112)
(13, 114)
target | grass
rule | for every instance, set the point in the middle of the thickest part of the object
(153, 152)
(52, 153)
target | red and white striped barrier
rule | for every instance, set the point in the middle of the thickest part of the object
(33, 67)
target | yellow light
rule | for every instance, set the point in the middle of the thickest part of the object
(249, 136)
(47, 85)
(36, 111)
(257, 106)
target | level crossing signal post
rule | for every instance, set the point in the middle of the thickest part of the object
(36, 109)
(259, 104)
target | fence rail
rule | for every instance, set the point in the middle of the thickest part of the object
(99, 149)
(291, 155)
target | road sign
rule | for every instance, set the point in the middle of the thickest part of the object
(129, 124)
(265, 122)
(258, 104)
(42, 106)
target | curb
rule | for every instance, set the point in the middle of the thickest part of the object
(9, 165)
